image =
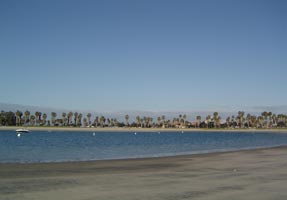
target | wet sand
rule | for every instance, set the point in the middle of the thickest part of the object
(249, 174)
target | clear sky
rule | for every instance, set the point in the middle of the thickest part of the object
(113, 55)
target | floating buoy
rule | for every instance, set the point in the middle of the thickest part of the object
(94, 134)
(18, 135)
(135, 133)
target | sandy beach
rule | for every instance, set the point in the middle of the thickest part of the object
(117, 129)
(250, 174)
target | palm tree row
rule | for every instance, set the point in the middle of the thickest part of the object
(265, 120)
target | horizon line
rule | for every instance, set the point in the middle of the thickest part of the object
(227, 109)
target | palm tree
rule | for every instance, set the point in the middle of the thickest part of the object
(248, 119)
(180, 119)
(218, 122)
(264, 115)
(85, 121)
(37, 113)
(174, 122)
(169, 123)
(53, 115)
(184, 119)
(142, 122)
(44, 119)
(260, 121)
(89, 115)
(79, 120)
(158, 121)
(145, 119)
(96, 122)
(102, 121)
(163, 121)
(64, 119)
(269, 114)
(228, 122)
(208, 120)
(116, 122)
(274, 120)
(32, 120)
(127, 120)
(18, 117)
(253, 121)
(232, 121)
(112, 122)
(285, 119)
(198, 119)
(109, 122)
(281, 121)
(70, 116)
(215, 119)
(150, 121)
(75, 118)
(240, 118)
(40, 119)
(27, 116)
(138, 120)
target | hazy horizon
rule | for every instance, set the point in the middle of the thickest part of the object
(120, 114)
(144, 55)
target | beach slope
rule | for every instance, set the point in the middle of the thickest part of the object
(251, 174)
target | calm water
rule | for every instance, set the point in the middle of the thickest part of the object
(40, 146)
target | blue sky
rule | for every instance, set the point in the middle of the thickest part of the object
(144, 55)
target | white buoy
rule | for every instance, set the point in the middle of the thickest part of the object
(94, 134)
(18, 135)
(135, 133)
(182, 132)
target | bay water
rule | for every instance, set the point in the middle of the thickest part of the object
(59, 146)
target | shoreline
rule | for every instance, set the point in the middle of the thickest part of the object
(134, 160)
(222, 175)
(279, 130)
(139, 159)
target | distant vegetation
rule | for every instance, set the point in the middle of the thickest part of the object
(265, 120)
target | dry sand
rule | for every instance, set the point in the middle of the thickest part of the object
(251, 174)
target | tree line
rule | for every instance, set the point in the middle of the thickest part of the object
(75, 119)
